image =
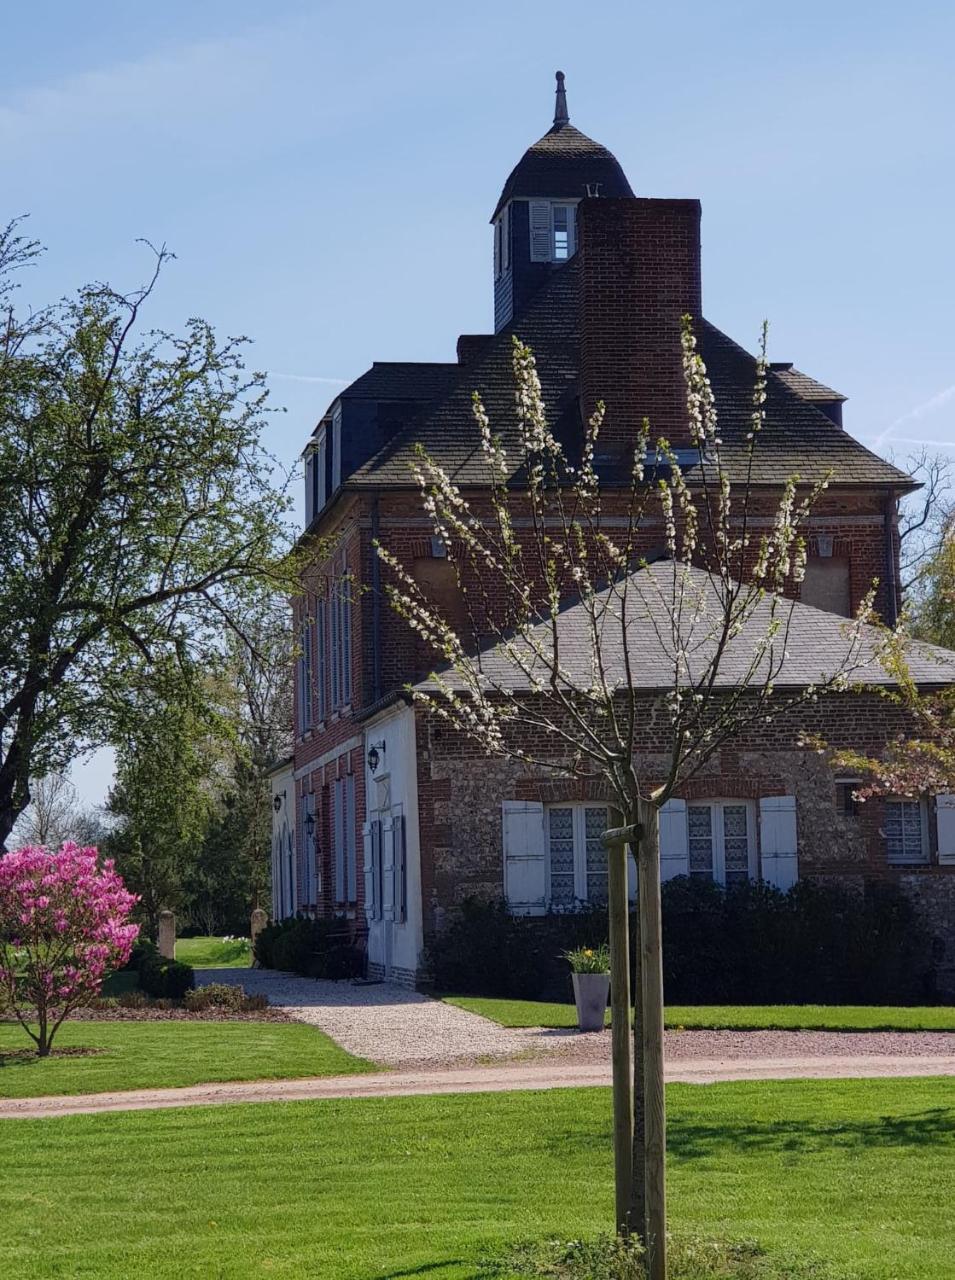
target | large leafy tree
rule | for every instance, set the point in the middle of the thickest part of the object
(137, 512)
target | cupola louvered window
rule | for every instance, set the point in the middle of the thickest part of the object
(552, 231)
(541, 233)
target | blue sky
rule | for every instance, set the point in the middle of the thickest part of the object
(325, 173)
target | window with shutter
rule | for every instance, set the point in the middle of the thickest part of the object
(674, 854)
(945, 828)
(779, 863)
(345, 605)
(541, 231)
(335, 644)
(525, 876)
(351, 852)
(721, 844)
(400, 864)
(338, 838)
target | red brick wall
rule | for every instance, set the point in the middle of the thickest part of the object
(640, 272)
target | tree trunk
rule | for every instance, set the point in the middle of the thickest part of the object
(619, 933)
(43, 1040)
(638, 1207)
(651, 965)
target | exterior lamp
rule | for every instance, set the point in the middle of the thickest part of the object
(310, 825)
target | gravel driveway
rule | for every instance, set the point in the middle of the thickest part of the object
(380, 1021)
(397, 1027)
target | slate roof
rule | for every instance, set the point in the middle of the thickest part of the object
(816, 644)
(797, 437)
(804, 386)
(560, 165)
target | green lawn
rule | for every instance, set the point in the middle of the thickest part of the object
(214, 953)
(811, 1017)
(859, 1172)
(153, 1055)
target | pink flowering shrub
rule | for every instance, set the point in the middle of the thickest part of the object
(64, 924)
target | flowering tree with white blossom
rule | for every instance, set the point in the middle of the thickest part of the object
(547, 532)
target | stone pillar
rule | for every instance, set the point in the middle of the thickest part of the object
(259, 921)
(167, 935)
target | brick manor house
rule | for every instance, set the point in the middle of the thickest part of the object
(388, 819)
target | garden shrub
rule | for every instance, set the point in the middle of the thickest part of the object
(166, 978)
(222, 995)
(751, 944)
(313, 948)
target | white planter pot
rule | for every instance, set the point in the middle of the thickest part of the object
(590, 993)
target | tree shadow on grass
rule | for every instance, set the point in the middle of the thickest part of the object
(932, 1127)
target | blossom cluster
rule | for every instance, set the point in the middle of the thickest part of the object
(64, 924)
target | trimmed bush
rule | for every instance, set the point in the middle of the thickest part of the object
(312, 948)
(222, 995)
(816, 944)
(168, 979)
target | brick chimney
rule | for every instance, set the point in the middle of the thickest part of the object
(640, 272)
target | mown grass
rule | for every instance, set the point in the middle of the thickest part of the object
(154, 1055)
(780, 1017)
(215, 953)
(858, 1173)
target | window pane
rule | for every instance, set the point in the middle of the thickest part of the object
(903, 831)
(699, 826)
(595, 824)
(561, 845)
(735, 844)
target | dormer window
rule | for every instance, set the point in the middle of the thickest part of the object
(336, 448)
(552, 231)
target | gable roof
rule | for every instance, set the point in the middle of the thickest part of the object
(561, 165)
(803, 385)
(797, 438)
(812, 646)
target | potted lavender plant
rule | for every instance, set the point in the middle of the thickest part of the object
(590, 967)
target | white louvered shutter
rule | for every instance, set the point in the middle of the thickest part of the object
(399, 859)
(351, 851)
(387, 878)
(338, 837)
(369, 832)
(541, 234)
(945, 826)
(321, 611)
(524, 864)
(674, 845)
(777, 840)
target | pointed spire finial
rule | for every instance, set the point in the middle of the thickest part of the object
(560, 111)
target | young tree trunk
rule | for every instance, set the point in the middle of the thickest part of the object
(638, 1207)
(43, 1039)
(619, 933)
(651, 964)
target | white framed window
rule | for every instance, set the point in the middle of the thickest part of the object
(576, 857)
(499, 247)
(721, 836)
(553, 232)
(905, 828)
(562, 242)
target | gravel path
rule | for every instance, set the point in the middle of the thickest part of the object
(527, 1075)
(382, 1022)
(396, 1027)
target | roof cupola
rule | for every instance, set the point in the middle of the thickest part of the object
(535, 218)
